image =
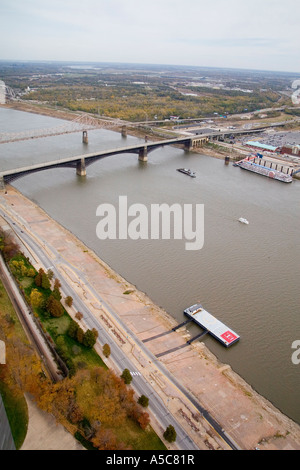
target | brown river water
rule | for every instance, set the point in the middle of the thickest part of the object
(248, 276)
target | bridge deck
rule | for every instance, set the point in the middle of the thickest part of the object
(90, 157)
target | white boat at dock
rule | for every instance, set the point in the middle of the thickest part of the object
(249, 164)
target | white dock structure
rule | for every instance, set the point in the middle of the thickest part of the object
(212, 325)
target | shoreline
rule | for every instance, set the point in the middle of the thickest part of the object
(248, 417)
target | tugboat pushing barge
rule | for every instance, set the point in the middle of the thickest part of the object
(187, 172)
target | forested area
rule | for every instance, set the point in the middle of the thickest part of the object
(146, 93)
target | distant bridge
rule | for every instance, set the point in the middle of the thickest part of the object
(81, 162)
(85, 122)
(81, 123)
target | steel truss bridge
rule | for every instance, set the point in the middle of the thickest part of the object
(81, 123)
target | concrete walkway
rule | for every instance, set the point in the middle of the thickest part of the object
(45, 434)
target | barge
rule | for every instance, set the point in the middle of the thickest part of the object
(187, 172)
(212, 325)
(249, 165)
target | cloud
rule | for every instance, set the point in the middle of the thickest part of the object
(161, 31)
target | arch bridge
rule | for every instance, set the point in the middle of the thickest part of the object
(81, 162)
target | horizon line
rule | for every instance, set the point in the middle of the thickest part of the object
(145, 64)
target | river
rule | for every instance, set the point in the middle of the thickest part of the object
(248, 276)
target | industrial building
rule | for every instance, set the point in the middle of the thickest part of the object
(259, 146)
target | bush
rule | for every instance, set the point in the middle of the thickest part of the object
(89, 339)
(126, 376)
(170, 434)
(106, 350)
(72, 330)
(143, 401)
(54, 307)
(69, 301)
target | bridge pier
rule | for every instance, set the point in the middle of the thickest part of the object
(80, 167)
(188, 146)
(124, 131)
(199, 142)
(85, 139)
(143, 156)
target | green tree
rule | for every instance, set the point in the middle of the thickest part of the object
(89, 338)
(56, 293)
(72, 330)
(143, 401)
(45, 284)
(170, 434)
(106, 350)
(126, 376)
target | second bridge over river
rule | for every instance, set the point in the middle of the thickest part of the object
(81, 162)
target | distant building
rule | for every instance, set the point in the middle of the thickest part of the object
(260, 146)
(290, 150)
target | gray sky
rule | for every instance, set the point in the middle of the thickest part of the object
(255, 34)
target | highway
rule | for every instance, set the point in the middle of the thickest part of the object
(156, 406)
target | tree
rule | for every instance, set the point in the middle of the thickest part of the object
(79, 315)
(50, 274)
(126, 376)
(38, 278)
(72, 330)
(89, 339)
(57, 284)
(54, 307)
(170, 434)
(69, 301)
(143, 420)
(31, 272)
(79, 335)
(143, 401)
(45, 284)
(36, 298)
(106, 350)
(56, 293)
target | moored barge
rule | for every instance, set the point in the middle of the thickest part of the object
(212, 325)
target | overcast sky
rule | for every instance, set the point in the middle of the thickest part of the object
(254, 34)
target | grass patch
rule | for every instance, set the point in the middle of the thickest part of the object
(81, 355)
(138, 439)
